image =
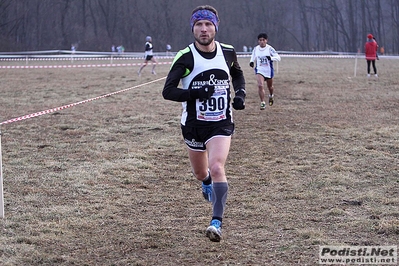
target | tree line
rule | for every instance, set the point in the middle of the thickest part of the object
(292, 25)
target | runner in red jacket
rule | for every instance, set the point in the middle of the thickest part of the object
(370, 50)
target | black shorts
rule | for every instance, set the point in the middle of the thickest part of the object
(197, 137)
(149, 57)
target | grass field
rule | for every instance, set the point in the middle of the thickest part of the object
(108, 182)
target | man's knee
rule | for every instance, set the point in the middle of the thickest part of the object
(217, 170)
(200, 174)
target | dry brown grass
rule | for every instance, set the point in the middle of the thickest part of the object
(109, 182)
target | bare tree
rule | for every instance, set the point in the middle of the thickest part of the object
(301, 25)
(395, 26)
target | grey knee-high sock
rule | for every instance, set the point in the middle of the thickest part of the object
(219, 197)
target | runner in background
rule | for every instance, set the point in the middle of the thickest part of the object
(148, 56)
(264, 55)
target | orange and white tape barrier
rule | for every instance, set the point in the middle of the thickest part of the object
(47, 112)
(74, 104)
(80, 66)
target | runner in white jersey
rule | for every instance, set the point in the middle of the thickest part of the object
(264, 55)
(205, 69)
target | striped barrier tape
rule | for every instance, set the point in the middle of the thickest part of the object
(310, 56)
(68, 58)
(7, 59)
(160, 63)
(78, 66)
(74, 104)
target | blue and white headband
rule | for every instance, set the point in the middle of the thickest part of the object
(204, 15)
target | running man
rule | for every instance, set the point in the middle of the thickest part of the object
(204, 69)
(264, 55)
(148, 56)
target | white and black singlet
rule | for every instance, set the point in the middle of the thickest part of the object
(196, 70)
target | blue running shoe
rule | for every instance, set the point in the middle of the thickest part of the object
(207, 192)
(214, 231)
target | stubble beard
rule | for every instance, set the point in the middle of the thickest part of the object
(204, 42)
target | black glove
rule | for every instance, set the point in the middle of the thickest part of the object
(239, 100)
(251, 64)
(268, 58)
(202, 94)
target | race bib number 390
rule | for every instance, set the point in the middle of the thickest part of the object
(213, 109)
